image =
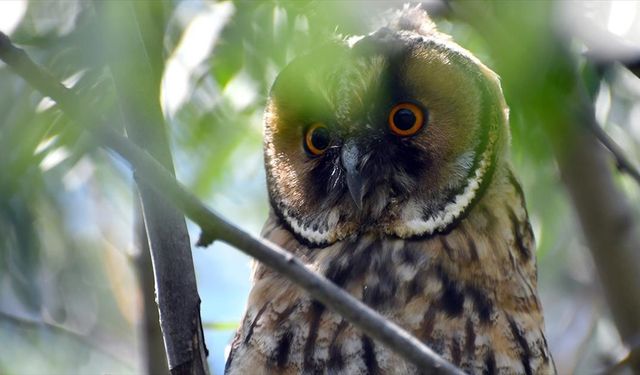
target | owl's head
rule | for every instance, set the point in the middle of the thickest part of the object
(396, 133)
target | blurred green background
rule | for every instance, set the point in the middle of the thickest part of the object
(69, 299)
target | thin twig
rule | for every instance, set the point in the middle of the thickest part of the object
(214, 226)
(35, 324)
(622, 162)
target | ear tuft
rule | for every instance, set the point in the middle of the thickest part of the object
(414, 19)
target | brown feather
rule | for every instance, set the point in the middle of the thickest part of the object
(479, 311)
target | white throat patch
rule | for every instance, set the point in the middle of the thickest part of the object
(320, 231)
(412, 220)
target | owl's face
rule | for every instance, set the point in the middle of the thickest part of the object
(397, 133)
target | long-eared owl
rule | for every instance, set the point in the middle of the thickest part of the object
(387, 171)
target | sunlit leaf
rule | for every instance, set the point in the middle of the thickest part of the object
(221, 326)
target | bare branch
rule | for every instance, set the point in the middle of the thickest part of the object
(608, 223)
(168, 239)
(623, 163)
(213, 226)
(150, 341)
(35, 324)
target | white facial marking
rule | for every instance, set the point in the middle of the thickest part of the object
(308, 233)
(411, 222)
(415, 225)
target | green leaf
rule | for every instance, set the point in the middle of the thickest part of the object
(221, 326)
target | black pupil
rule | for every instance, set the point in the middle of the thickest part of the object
(404, 119)
(320, 138)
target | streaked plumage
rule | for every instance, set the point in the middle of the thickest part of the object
(429, 229)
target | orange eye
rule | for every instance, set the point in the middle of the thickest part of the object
(406, 119)
(317, 139)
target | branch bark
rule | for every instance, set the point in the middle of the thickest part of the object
(623, 163)
(150, 341)
(215, 227)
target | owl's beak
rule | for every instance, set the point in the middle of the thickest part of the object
(350, 159)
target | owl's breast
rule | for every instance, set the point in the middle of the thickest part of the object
(469, 294)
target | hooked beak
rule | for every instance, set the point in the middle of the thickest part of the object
(350, 157)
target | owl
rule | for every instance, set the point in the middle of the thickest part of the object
(387, 169)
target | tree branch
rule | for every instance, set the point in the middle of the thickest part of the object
(135, 81)
(603, 210)
(34, 324)
(150, 340)
(623, 163)
(215, 227)
(633, 66)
